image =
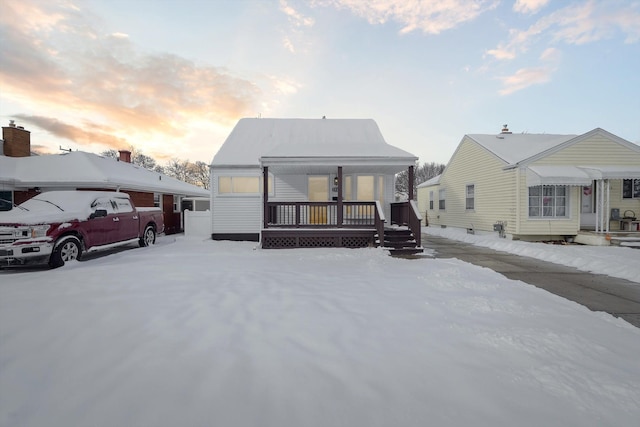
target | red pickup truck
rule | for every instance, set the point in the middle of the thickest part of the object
(58, 226)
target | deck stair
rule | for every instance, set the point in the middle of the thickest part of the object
(400, 241)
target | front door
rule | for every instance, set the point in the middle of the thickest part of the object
(318, 192)
(587, 208)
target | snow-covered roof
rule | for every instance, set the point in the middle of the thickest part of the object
(525, 148)
(87, 170)
(516, 147)
(433, 181)
(254, 139)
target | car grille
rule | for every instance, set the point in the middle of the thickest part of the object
(8, 235)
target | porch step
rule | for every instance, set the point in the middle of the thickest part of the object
(400, 241)
(405, 251)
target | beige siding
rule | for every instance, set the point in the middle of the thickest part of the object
(594, 151)
(616, 201)
(495, 190)
(502, 195)
(551, 227)
(598, 150)
(423, 203)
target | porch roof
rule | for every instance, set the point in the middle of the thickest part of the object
(578, 175)
(324, 164)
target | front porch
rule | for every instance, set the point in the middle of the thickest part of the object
(340, 224)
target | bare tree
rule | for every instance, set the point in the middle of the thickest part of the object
(421, 174)
(194, 173)
(200, 174)
(178, 169)
(137, 158)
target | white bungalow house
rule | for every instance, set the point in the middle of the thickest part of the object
(307, 183)
(537, 186)
(23, 175)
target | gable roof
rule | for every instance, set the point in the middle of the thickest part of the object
(254, 139)
(80, 169)
(514, 148)
(431, 181)
(518, 149)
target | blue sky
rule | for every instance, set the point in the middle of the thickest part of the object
(173, 77)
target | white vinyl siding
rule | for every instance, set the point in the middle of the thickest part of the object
(235, 213)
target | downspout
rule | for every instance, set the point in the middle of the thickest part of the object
(607, 210)
(411, 178)
(519, 173)
(340, 212)
(265, 197)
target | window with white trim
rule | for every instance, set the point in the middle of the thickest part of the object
(631, 188)
(548, 201)
(441, 199)
(242, 184)
(176, 204)
(470, 200)
(431, 200)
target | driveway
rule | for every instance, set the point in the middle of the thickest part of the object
(597, 292)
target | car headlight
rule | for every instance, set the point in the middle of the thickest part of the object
(39, 230)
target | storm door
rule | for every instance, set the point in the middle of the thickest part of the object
(588, 207)
(318, 188)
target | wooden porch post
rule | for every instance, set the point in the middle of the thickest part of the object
(265, 196)
(411, 178)
(340, 218)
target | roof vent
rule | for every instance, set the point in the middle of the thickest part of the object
(505, 130)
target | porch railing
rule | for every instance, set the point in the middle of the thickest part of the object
(323, 214)
(406, 214)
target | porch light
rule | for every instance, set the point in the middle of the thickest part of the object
(335, 181)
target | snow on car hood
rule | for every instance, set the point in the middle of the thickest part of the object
(54, 206)
(53, 215)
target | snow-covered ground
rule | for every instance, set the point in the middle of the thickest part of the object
(614, 261)
(202, 333)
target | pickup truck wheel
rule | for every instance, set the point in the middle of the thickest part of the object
(66, 249)
(149, 236)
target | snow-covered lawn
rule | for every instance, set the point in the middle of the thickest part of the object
(202, 333)
(614, 261)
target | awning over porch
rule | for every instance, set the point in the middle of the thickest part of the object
(557, 175)
(578, 175)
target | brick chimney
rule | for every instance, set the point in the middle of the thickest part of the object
(125, 156)
(505, 130)
(17, 141)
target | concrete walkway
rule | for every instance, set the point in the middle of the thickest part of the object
(598, 292)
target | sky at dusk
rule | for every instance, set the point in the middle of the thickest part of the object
(172, 78)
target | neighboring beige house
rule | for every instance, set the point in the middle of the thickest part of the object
(537, 186)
